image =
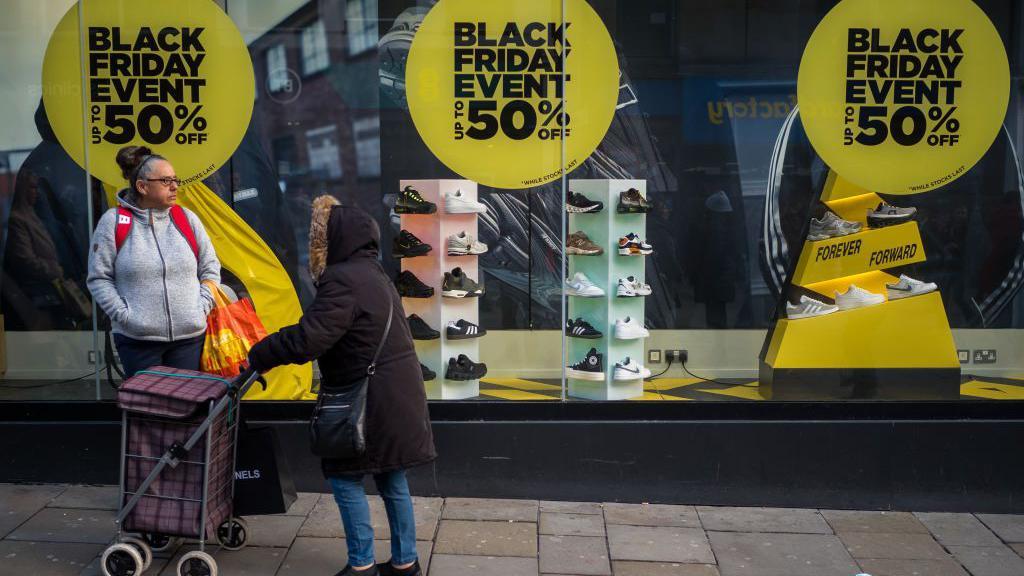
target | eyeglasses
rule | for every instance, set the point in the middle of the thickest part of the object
(165, 181)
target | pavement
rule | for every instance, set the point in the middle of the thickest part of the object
(57, 530)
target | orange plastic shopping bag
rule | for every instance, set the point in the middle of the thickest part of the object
(232, 328)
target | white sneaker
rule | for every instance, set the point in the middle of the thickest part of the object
(857, 297)
(580, 285)
(809, 307)
(630, 329)
(630, 370)
(639, 287)
(463, 244)
(908, 287)
(457, 203)
(625, 289)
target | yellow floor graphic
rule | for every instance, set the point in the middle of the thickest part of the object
(516, 395)
(992, 390)
(746, 392)
(521, 384)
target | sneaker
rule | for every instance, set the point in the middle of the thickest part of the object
(350, 571)
(462, 330)
(907, 287)
(407, 245)
(457, 285)
(463, 244)
(388, 569)
(590, 368)
(630, 287)
(462, 368)
(458, 203)
(409, 286)
(629, 329)
(580, 328)
(409, 201)
(580, 285)
(632, 202)
(420, 329)
(428, 374)
(630, 370)
(857, 297)
(888, 215)
(809, 307)
(580, 204)
(580, 245)
(632, 245)
(831, 226)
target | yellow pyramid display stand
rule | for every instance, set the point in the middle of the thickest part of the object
(901, 349)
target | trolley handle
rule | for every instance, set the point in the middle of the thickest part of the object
(241, 384)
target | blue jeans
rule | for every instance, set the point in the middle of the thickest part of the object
(138, 355)
(355, 516)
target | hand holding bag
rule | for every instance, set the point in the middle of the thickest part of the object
(232, 329)
(337, 427)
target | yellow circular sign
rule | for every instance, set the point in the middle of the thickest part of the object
(903, 97)
(485, 90)
(174, 76)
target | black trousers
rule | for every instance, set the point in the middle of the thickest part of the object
(141, 354)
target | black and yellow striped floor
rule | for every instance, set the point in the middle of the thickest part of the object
(725, 389)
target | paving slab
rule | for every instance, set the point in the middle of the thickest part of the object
(875, 522)
(571, 507)
(68, 525)
(250, 561)
(893, 546)
(651, 515)
(303, 504)
(93, 569)
(49, 558)
(311, 556)
(1018, 548)
(18, 503)
(486, 538)
(571, 524)
(1009, 527)
(953, 529)
(324, 520)
(989, 560)
(766, 554)
(889, 567)
(448, 565)
(275, 531)
(790, 520)
(490, 509)
(659, 544)
(90, 497)
(621, 568)
(576, 555)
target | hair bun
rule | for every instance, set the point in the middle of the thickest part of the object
(129, 158)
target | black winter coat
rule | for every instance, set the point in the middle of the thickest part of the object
(342, 329)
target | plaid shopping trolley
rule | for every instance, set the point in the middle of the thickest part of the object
(179, 430)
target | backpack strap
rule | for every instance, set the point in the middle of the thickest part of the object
(181, 222)
(122, 228)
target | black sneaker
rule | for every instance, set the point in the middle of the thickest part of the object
(388, 569)
(428, 374)
(350, 571)
(580, 204)
(590, 368)
(457, 285)
(409, 201)
(463, 330)
(421, 330)
(580, 328)
(462, 368)
(407, 245)
(632, 202)
(409, 286)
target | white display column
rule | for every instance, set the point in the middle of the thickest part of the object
(437, 311)
(605, 228)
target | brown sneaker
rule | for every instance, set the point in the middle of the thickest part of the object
(579, 244)
(632, 202)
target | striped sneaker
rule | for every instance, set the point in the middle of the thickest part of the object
(809, 307)
(462, 330)
(580, 328)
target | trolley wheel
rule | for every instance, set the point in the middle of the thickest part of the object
(121, 560)
(160, 542)
(232, 533)
(143, 548)
(197, 564)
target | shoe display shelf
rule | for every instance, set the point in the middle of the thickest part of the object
(900, 349)
(437, 310)
(605, 228)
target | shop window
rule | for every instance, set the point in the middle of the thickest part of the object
(367, 136)
(362, 25)
(315, 56)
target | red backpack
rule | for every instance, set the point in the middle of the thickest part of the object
(178, 217)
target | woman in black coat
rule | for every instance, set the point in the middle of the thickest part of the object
(342, 328)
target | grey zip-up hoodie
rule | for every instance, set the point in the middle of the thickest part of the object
(151, 288)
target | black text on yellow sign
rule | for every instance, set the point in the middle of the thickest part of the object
(512, 82)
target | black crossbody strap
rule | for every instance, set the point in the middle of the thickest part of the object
(387, 330)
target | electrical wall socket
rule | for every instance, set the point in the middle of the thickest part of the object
(680, 356)
(654, 356)
(93, 356)
(985, 356)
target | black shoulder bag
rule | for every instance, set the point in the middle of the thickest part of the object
(337, 428)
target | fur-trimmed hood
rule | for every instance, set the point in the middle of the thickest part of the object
(338, 233)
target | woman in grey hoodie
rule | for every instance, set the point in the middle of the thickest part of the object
(149, 266)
